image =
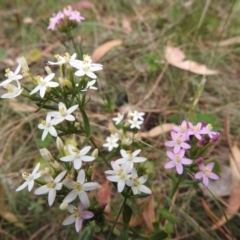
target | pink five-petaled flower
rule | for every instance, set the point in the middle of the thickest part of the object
(79, 189)
(129, 158)
(208, 130)
(195, 130)
(77, 156)
(29, 178)
(177, 160)
(78, 215)
(182, 129)
(120, 174)
(177, 142)
(55, 20)
(51, 187)
(206, 172)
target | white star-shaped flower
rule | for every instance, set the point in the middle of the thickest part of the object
(118, 119)
(52, 186)
(12, 76)
(135, 123)
(86, 67)
(129, 158)
(43, 84)
(13, 91)
(79, 189)
(29, 178)
(120, 174)
(111, 142)
(77, 156)
(137, 115)
(63, 114)
(67, 59)
(136, 183)
(47, 127)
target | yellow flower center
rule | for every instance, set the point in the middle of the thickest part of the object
(50, 184)
(209, 126)
(136, 181)
(9, 88)
(120, 171)
(178, 140)
(76, 213)
(62, 111)
(78, 186)
(177, 158)
(43, 122)
(75, 150)
(25, 175)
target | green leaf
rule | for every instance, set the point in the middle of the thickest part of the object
(127, 213)
(167, 215)
(123, 235)
(159, 235)
(86, 122)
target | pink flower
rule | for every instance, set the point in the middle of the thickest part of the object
(205, 173)
(182, 129)
(55, 20)
(208, 130)
(177, 160)
(78, 215)
(195, 130)
(76, 16)
(177, 142)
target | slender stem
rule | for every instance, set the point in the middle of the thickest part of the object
(110, 233)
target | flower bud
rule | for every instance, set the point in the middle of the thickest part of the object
(63, 206)
(202, 142)
(56, 165)
(46, 155)
(215, 137)
(200, 161)
(23, 63)
(60, 146)
(67, 83)
(48, 70)
(95, 153)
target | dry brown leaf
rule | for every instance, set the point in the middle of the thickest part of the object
(175, 57)
(227, 42)
(126, 25)
(156, 131)
(10, 217)
(234, 199)
(105, 48)
(149, 213)
(104, 195)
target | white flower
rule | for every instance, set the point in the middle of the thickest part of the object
(67, 59)
(137, 115)
(86, 67)
(136, 183)
(13, 91)
(135, 123)
(89, 86)
(120, 174)
(129, 158)
(47, 127)
(118, 119)
(76, 156)
(63, 114)
(78, 215)
(43, 84)
(52, 186)
(111, 142)
(12, 76)
(79, 189)
(29, 178)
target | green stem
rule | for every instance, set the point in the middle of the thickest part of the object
(110, 233)
(175, 187)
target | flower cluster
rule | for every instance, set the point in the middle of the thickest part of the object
(68, 15)
(192, 141)
(133, 121)
(72, 180)
(125, 173)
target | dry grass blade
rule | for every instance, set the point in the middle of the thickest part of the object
(105, 48)
(149, 213)
(175, 57)
(226, 42)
